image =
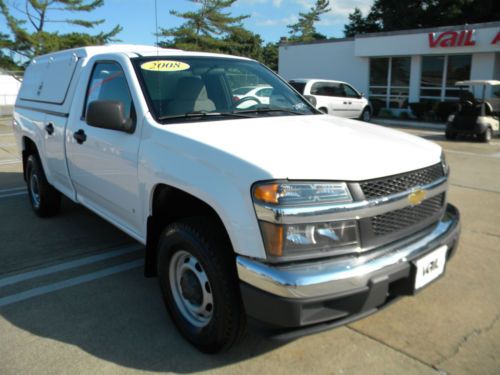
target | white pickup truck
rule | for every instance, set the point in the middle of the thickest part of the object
(300, 220)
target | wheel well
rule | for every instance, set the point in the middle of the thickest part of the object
(169, 205)
(29, 147)
(323, 109)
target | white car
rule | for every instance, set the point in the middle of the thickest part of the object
(335, 97)
(261, 94)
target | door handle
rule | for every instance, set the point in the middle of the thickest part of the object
(80, 136)
(350, 102)
(345, 102)
(49, 128)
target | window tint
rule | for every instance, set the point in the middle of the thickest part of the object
(108, 82)
(350, 92)
(299, 86)
(327, 89)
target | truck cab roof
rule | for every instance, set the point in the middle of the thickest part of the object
(39, 91)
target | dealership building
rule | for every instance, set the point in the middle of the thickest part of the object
(397, 68)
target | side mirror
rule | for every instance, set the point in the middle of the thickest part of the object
(108, 114)
(311, 99)
(362, 94)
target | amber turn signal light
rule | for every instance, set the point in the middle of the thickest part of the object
(272, 235)
(267, 193)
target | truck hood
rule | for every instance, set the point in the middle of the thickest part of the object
(313, 147)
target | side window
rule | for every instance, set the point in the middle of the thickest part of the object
(319, 88)
(108, 82)
(265, 93)
(327, 89)
(350, 92)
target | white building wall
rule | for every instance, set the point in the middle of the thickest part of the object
(416, 42)
(334, 61)
(482, 67)
(9, 87)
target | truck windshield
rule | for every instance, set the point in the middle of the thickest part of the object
(197, 88)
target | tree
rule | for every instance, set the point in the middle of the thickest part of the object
(28, 36)
(359, 24)
(389, 15)
(304, 30)
(242, 42)
(205, 28)
(270, 54)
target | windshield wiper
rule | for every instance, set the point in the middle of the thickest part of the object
(269, 110)
(201, 114)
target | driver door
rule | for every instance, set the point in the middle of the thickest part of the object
(103, 162)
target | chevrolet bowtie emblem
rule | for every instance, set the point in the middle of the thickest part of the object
(416, 197)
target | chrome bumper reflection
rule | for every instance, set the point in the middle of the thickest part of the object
(338, 275)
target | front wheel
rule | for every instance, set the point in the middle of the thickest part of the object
(197, 274)
(45, 199)
(487, 135)
(366, 115)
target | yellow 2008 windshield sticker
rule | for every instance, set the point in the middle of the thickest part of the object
(165, 66)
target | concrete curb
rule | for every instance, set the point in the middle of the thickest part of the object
(410, 124)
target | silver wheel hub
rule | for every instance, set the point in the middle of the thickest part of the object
(35, 189)
(191, 289)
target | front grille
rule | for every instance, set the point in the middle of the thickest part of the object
(401, 182)
(394, 221)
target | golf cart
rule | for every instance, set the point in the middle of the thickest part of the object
(474, 117)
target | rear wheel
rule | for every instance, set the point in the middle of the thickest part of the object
(487, 135)
(197, 274)
(45, 199)
(450, 135)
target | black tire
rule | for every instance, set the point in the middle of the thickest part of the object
(487, 135)
(44, 198)
(366, 115)
(207, 244)
(324, 110)
(450, 135)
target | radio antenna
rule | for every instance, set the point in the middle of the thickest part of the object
(156, 28)
(157, 57)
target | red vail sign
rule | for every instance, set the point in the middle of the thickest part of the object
(464, 38)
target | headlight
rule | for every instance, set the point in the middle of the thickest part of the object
(444, 164)
(304, 240)
(292, 194)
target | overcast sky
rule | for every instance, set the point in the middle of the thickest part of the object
(267, 17)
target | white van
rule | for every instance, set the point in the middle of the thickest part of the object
(335, 97)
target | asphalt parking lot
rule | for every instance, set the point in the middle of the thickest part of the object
(73, 298)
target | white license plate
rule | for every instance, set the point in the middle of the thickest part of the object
(430, 267)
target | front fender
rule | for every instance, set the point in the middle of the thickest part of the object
(220, 180)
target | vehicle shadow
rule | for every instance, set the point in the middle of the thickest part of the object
(119, 319)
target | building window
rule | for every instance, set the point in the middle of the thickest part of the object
(400, 82)
(389, 82)
(439, 74)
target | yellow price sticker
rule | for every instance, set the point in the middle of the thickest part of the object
(165, 66)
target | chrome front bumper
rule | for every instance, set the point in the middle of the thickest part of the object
(348, 273)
